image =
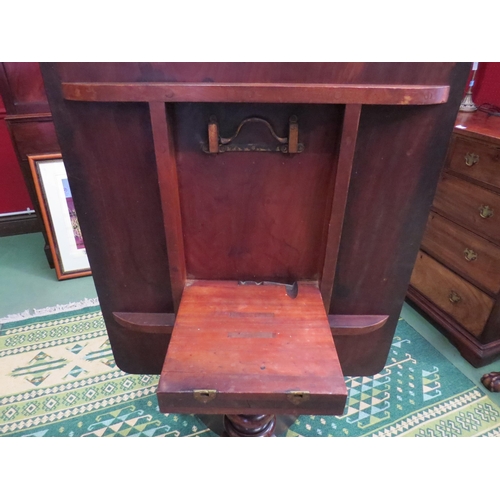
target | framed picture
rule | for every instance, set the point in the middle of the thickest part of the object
(59, 216)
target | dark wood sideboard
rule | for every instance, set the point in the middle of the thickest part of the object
(31, 128)
(252, 227)
(456, 279)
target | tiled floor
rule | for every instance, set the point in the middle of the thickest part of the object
(27, 282)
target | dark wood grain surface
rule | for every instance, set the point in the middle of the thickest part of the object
(463, 242)
(476, 160)
(473, 349)
(466, 253)
(257, 92)
(478, 125)
(464, 302)
(340, 190)
(256, 216)
(161, 124)
(22, 88)
(259, 215)
(463, 203)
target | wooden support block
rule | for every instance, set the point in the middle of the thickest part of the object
(257, 92)
(163, 323)
(169, 192)
(340, 192)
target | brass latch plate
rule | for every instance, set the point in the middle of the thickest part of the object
(298, 397)
(204, 395)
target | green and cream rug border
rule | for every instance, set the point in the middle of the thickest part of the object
(46, 311)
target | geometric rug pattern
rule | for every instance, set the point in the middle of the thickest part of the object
(58, 378)
(419, 393)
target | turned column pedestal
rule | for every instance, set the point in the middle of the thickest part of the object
(249, 425)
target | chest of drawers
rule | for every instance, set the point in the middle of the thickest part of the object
(456, 279)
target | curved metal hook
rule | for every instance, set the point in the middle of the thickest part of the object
(217, 144)
(281, 140)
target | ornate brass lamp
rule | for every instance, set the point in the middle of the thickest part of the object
(467, 104)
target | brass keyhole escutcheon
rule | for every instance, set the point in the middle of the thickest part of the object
(298, 397)
(485, 211)
(470, 255)
(471, 159)
(204, 395)
(454, 297)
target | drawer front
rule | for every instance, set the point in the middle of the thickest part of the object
(477, 160)
(470, 206)
(464, 302)
(466, 253)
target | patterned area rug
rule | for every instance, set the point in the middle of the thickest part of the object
(58, 378)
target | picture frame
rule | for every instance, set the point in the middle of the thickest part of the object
(59, 216)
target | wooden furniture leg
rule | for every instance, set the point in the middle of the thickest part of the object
(249, 425)
(216, 423)
(491, 381)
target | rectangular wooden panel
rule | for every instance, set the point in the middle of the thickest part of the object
(470, 206)
(256, 215)
(253, 347)
(471, 256)
(477, 160)
(461, 300)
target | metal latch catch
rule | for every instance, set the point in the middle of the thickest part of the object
(298, 397)
(204, 395)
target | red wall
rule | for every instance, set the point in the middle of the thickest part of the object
(14, 196)
(487, 86)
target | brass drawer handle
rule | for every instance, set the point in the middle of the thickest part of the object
(454, 297)
(470, 255)
(485, 211)
(471, 159)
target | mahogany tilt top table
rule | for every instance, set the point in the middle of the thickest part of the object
(252, 227)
